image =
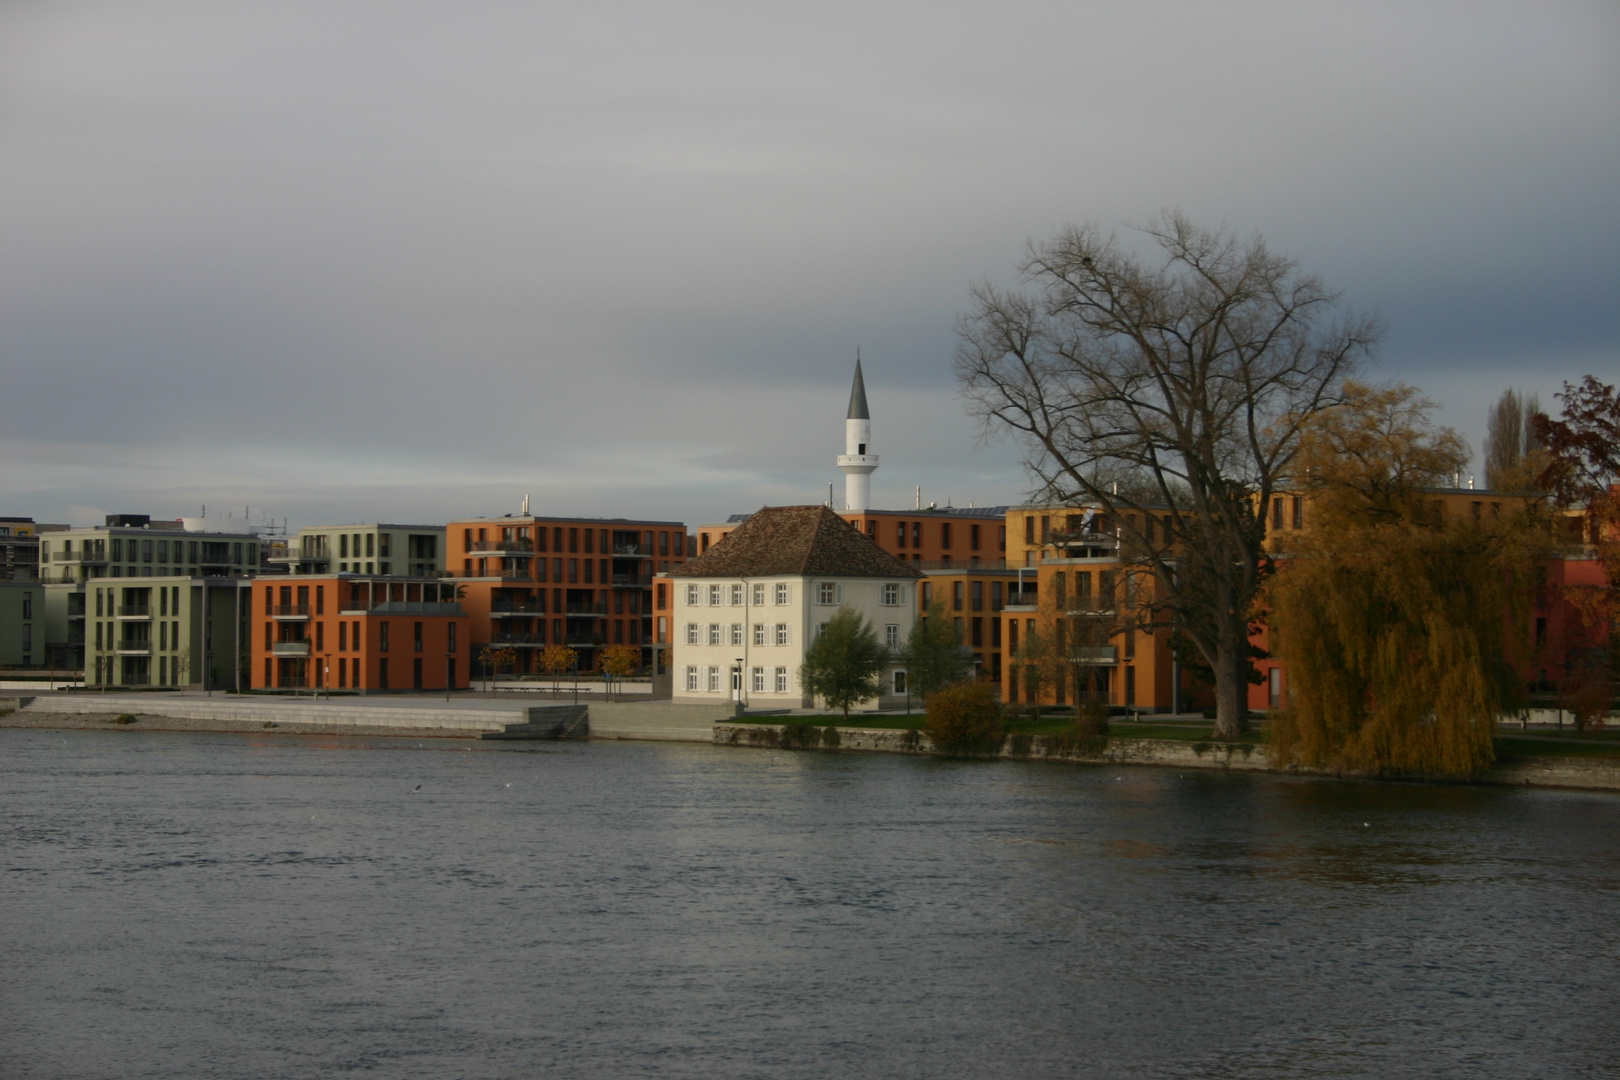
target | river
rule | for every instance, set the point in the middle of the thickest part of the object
(199, 905)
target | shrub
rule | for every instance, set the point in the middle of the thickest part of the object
(1091, 721)
(124, 718)
(966, 719)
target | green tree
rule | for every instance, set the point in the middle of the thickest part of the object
(934, 654)
(1397, 625)
(844, 664)
(1175, 385)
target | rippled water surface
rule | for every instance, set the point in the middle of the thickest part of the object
(178, 905)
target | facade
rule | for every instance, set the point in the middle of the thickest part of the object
(359, 634)
(22, 624)
(162, 631)
(528, 582)
(739, 618)
(374, 548)
(973, 598)
(132, 545)
(19, 547)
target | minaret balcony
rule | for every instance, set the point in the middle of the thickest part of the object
(857, 461)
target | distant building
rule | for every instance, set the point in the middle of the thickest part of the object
(22, 624)
(161, 631)
(133, 545)
(19, 547)
(740, 616)
(374, 548)
(531, 581)
(366, 634)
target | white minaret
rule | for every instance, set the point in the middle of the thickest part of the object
(856, 463)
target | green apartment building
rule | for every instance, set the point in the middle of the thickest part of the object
(375, 548)
(22, 624)
(166, 631)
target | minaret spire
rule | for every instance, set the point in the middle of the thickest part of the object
(855, 462)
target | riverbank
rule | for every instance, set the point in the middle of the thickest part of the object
(1574, 772)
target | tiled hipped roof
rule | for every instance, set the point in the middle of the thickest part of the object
(804, 541)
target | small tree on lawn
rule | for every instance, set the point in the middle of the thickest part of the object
(845, 664)
(556, 659)
(935, 657)
(619, 661)
(494, 659)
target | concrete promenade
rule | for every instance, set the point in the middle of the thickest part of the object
(652, 720)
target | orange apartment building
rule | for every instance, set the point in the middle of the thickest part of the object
(961, 536)
(528, 582)
(360, 634)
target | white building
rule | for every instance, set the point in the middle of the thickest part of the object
(744, 611)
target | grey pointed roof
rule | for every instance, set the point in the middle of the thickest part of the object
(803, 541)
(857, 396)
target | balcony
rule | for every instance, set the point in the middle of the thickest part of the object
(632, 551)
(632, 581)
(505, 547)
(133, 648)
(525, 611)
(290, 611)
(79, 558)
(516, 639)
(585, 641)
(1093, 654)
(598, 608)
(961, 564)
(289, 648)
(135, 611)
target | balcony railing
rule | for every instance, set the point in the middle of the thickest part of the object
(525, 610)
(78, 558)
(516, 639)
(1092, 654)
(289, 648)
(625, 551)
(632, 581)
(505, 546)
(135, 611)
(598, 608)
(134, 648)
(589, 641)
(961, 564)
(290, 611)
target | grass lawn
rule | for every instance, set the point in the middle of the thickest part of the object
(1021, 725)
(1598, 744)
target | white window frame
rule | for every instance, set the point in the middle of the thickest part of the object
(893, 595)
(759, 633)
(693, 596)
(714, 634)
(714, 596)
(782, 637)
(891, 635)
(826, 593)
(758, 680)
(691, 677)
(736, 596)
(714, 678)
(781, 680)
(759, 595)
(692, 634)
(782, 593)
(736, 633)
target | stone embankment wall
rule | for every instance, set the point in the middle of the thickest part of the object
(1585, 773)
(279, 711)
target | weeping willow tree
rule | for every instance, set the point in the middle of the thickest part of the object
(1397, 623)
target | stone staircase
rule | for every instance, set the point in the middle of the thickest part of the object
(548, 722)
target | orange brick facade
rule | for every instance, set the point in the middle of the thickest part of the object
(364, 635)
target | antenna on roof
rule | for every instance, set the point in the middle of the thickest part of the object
(525, 510)
(829, 493)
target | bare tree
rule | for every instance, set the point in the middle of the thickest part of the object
(1173, 388)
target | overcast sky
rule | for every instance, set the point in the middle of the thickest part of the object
(343, 262)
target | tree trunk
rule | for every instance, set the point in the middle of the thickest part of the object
(1232, 685)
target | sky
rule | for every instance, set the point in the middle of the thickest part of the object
(412, 262)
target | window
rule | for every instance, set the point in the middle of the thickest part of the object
(899, 534)
(382, 671)
(899, 682)
(782, 592)
(759, 596)
(737, 633)
(821, 628)
(891, 594)
(691, 678)
(692, 633)
(956, 596)
(343, 637)
(1299, 512)
(714, 678)
(759, 633)
(450, 640)
(891, 635)
(714, 596)
(736, 596)
(146, 551)
(371, 544)
(781, 633)
(827, 592)
(973, 537)
(692, 596)
(781, 680)
(714, 633)
(382, 636)
(320, 637)
(757, 682)
(416, 637)
(945, 535)
(28, 605)
(977, 592)
(978, 632)
(382, 545)
(916, 534)
(1277, 513)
